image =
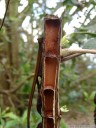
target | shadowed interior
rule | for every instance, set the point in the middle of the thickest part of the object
(48, 102)
(50, 123)
(51, 36)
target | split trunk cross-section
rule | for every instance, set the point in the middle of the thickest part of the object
(51, 60)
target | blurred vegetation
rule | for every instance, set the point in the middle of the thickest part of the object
(23, 25)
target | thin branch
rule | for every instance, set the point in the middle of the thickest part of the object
(87, 15)
(21, 84)
(78, 4)
(7, 71)
(17, 86)
(68, 51)
(4, 92)
(11, 102)
(70, 57)
(5, 15)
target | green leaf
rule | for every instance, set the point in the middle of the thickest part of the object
(24, 117)
(90, 44)
(88, 33)
(3, 113)
(85, 94)
(92, 95)
(2, 123)
(64, 41)
(64, 109)
(11, 124)
(11, 115)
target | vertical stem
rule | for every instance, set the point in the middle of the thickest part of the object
(95, 110)
(51, 60)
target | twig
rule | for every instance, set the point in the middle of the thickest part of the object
(9, 80)
(87, 15)
(78, 4)
(11, 102)
(70, 57)
(21, 84)
(17, 86)
(68, 51)
(4, 92)
(5, 15)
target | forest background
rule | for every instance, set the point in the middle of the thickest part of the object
(18, 51)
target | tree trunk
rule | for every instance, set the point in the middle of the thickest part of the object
(8, 76)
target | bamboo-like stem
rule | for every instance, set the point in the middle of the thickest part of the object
(51, 60)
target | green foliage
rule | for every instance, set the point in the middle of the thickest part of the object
(90, 44)
(64, 41)
(9, 119)
(82, 108)
(88, 97)
(63, 124)
(73, 96)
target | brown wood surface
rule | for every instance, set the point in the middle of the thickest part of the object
(51, 60)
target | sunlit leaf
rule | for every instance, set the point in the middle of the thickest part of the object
(92, 95)
(64, 109)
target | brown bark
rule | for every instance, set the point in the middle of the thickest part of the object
(38, 73)
(51, 60)
(12, 30)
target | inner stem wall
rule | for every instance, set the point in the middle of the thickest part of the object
(51, 60)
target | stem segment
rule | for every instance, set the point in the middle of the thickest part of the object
(51, 60)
